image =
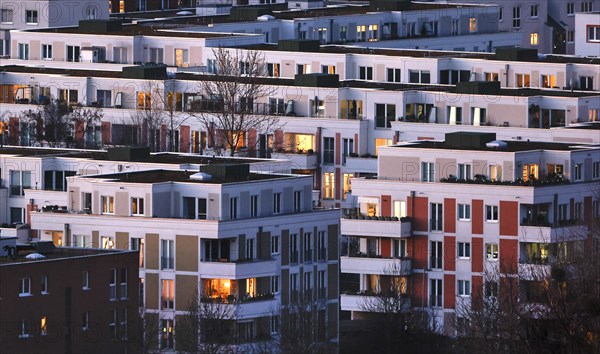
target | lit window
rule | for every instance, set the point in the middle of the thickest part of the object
(137, 206)
(168, 294)
(329, 185)
(107, 242)
(472, 24)
(533, 38)
(108, 204)
(491, 251)
(43, 326)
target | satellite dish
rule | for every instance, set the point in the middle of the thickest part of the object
(35, 256)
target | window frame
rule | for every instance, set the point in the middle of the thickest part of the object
(492, 252)
(464, 212)
(25, 287)
(492, 213)
(463, 250)
(463, 288)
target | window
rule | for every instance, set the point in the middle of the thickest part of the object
(321, 284)
(365, 72)
(19, 181)
(47, 51)
(31, 17)
(137, 244)
(166, 338)
(596, 170)
(464, 171)
(274, 324)
(329, 185)
(120, 55)
(587, 6)
(427, 172)
(123, 324)
(393, 75)
(107, 242)
(276, 203)
(275, 284)
(123, 289)
(399, 248)
(273, 69)
(478, 116)
(25, 329)
(343, 33)
(44, 286)
(254, 206)
(321, 246)
(491, 76)
(112, 285)
(436, 216)
(249, 248)
(347, 181)
(501, 14)
(73, 53)
(297, 201)
(530, 172)
(302, 69)
(563, 213)
(435, 292)
(56, 180)
(548, 81)
(464, 288)
(91, 13)
(419, 76)
(491, 251)
(533, 38)
(25, 287)
(108, 204)
(112, 325)
(82, 241)
(23, 51)
(137, 206)
(182, 57)
(491, 213)
(308, 249)
(155, 55)
(593, 34)
(577, 172)
(491, 288)
(17, 215)
(516, 17)
(361, 33)
(523, 80)
(570, 8)
(167, 259)
(293, 286)
(194, 208)
(43, 326)
(399, 209)
(534, 11)
(472, 24)
(167, 294)
(464, 212)
(233, 208)
(293, 248)
(6, 16)
(385, 114)
(274, 244)
(85, 284)
(464, 250)
(586, 83)
(436, 255)
(328, 150)
(328, 69)
(373, 33)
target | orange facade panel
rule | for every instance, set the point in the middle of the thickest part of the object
(449, 291)
(449, 253)
(477, 254)
(508, 256)
(450, 215)
(477, 217)
(420, 252)
(418, 210)
(509, 218)
(386, 205)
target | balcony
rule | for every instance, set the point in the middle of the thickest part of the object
(531, 271)
(364, 301)
(257, 306)
(298, 160)
(378, 228)
(548, 234)
(369, 265)
(238, 269)
(47, 197)
(366, 163)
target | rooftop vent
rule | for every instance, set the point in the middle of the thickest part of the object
(299, 45)
(201, 176)
(145, 72)
(516, 54)
(99, 26)
(235, 172)
(128, 153)
(389, 5)
(497, 144)
(478, 87)
(317, 80)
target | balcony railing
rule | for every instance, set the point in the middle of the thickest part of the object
(550, 180)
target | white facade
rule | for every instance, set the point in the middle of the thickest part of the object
(587, 34)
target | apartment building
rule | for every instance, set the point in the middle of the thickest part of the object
(67, 300)
(452, 212)
(32, 14)
(587, 41)
(249, 241)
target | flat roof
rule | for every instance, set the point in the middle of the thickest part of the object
(137, 30)
(161, 157)
(162, 176)
(512, 146)
(585, 126)
(55, 253)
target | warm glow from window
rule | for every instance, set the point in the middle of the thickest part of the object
(381, 142)
(530, 172)
(329, 185)
(534, 38)
(347, 184)
(304, 142)
(473, 24)
(43, 326)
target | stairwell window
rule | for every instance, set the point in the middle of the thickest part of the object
(533, 38)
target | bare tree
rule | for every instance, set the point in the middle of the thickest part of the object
(148, 335)
(229, 107)
(303, 328)
(171, 101)
(4, 127)
(148, 119)
(86, 121)
(208, 326)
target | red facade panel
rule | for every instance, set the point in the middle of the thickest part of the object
(356, 143)
(386, 247)
(449, 215)
(338, 148)
(420, 252)
(477, 217)
(449, 291)
(386, 205)
(418, 210)
(509, 218)
(184, 138)
(338, 183)
(419, 290)
(449, 253)
(508, 256)
(587, 210)
(477, 291)
(105, 131)
(477, 254)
